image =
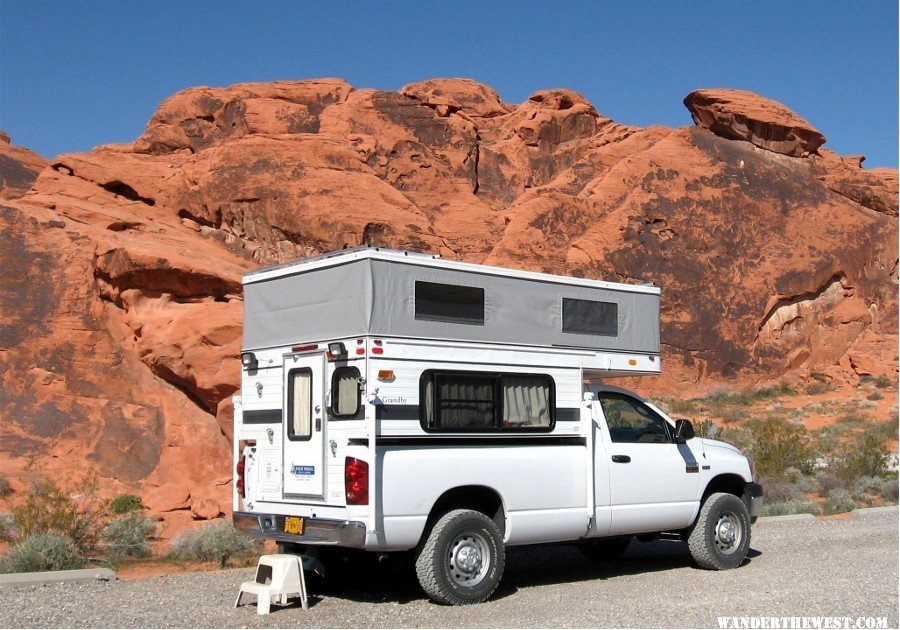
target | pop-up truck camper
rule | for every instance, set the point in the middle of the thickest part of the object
(394, 401)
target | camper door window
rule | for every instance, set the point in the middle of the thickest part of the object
(299, 404)
(486, 402)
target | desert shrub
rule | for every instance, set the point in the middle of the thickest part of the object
(818, 387)
(679, 406)
(803, 483)
(780, 491)
(776, 445)
(867, 485)
(889, 491)
(867, 455)
(876, 395)
(7, 528)
(827, 482)
(77, 515)
(730, 415)
(5, 488)
(218, 541)
(884, 381)
(129, 536)
(838, 501)
(853, 420)
(125, 503)
(41, 552)
(793, 506)
(818, 376)
(885, 431)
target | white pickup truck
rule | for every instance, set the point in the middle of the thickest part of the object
(393, 401)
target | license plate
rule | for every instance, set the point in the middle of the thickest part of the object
(293, 525)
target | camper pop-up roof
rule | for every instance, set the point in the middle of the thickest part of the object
(373, 291)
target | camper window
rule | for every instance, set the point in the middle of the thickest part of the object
(588, 317)
(485, 402)
(345, 393)
(299, 404)
(449, 303)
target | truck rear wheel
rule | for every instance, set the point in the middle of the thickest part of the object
(605, 549)
(462, 558)
(720, 537)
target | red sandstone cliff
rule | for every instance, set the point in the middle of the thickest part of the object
(120, 315)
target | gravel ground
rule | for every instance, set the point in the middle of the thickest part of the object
(811, 568)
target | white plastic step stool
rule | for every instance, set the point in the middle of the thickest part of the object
(278, 575)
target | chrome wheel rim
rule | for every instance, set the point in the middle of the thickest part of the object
(728, 533)
(469, 559)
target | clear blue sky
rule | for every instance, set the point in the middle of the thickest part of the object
(77, 74)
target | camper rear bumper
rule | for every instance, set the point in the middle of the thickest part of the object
(316, 531)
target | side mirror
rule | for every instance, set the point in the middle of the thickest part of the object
(684, 431)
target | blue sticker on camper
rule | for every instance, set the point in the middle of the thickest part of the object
(303, 470)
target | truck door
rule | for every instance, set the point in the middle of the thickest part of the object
(653, 482)
(303, 439)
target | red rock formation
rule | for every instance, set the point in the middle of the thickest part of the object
(19, 167)
(747, 116)
(120, 331)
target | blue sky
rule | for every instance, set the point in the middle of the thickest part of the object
(77, 74)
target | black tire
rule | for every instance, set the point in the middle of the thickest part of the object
(720, 537)
(605, 549)
(461, 560)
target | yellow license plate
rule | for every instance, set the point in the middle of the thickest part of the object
(293, 525)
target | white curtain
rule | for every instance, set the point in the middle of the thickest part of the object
(347, 393)
(526, 401)
(300, 422)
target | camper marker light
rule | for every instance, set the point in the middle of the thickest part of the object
(311, 346)
(385, 375)
(248, 360)
(632, 361)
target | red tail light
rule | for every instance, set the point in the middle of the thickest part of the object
(356, 481)
(239, 469)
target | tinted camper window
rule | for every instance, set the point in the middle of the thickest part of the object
(485, 402)
(588, 317)
(449, 303)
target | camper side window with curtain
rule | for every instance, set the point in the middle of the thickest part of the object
(486, 402)
(345, 394)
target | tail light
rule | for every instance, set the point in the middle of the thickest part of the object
(356, 481)
(239, 470)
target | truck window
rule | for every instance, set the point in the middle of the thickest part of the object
(630, 420)
(449, 303)
(345, 395)
(589, 317)
(486, 402)
(299, 404)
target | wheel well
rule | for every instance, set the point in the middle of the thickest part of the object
(479, 498)
(730, 483)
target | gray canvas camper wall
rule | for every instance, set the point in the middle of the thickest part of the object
(372, 291)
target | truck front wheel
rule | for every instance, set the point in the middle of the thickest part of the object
(462, 558)
(720, 537)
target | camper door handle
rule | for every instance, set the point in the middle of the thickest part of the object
(621, 459)
(318, 424)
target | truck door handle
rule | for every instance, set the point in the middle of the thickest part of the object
(621, 459)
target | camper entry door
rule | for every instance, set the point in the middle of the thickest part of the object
(304, 440)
